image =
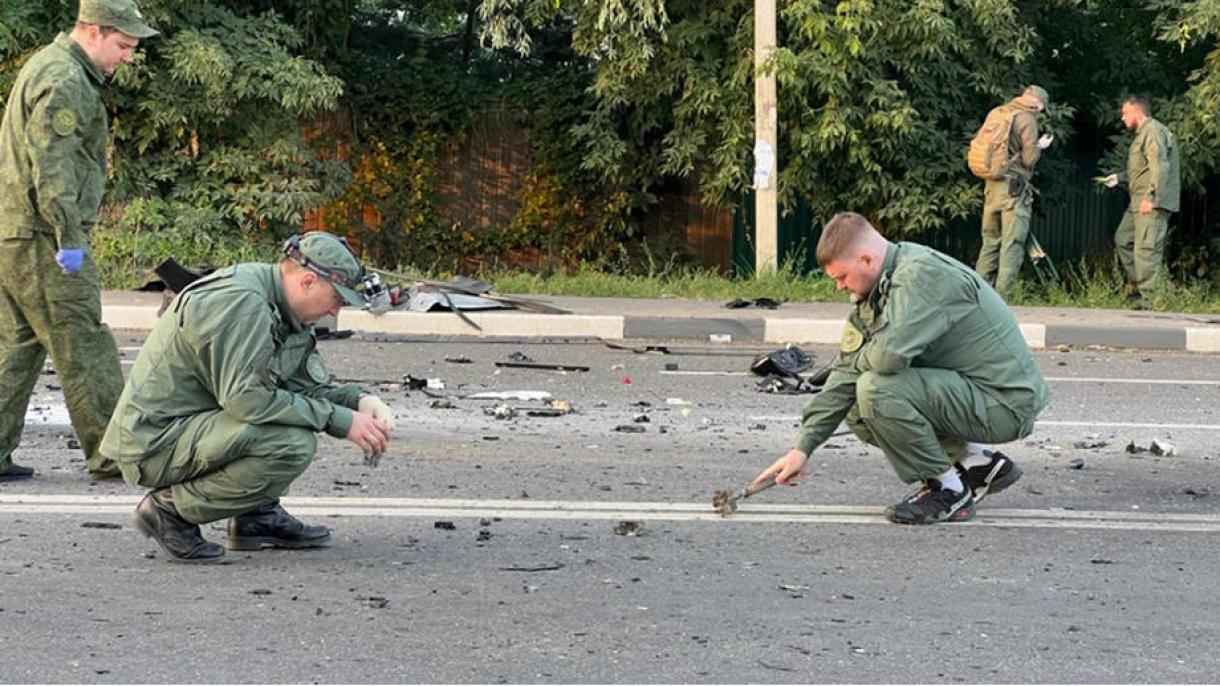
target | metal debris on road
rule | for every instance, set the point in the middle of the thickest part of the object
(1076, 463)
(509, 395)
(445, 526)
(539, 568)
(629, 528)
(629, 429)
(459, 360)
(100, 525)
(544, 366)
(500, 412)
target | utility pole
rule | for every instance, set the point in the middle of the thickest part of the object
(766, 135)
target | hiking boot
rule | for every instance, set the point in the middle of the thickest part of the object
(992, 477)
(16, 472)
(932, 504)
(270, 526)
(157, 518)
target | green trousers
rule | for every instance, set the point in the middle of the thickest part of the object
(922, 419)
(221, 467)
(1140, 244)
(1005, 226)
(42, 309)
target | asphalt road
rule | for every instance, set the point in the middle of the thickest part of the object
(1099, 566)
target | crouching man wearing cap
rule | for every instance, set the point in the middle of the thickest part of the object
(219, 414)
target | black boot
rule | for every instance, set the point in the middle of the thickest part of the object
(16, 472)
(157, 517)
(269, 526)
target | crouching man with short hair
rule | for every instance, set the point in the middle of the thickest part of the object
(931, 361)
(219, 414)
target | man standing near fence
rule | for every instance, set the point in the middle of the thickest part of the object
(1003, 153)
(1153, 181)
(52, 173)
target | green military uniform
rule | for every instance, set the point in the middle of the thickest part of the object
(225, 397)
(1152, 174)
(1007, 202)
(930, 360)
(52, 171)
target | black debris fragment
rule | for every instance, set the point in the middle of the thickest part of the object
(412, 383)
(519, 357)
(629, 528)
(375, 602)
(671, 366)
(1101, 561)
(1076, 463)
(339, 482)
(100, 525)
(483, 535)
(459, 360)
(778, 668)
(442, 404)
(445, 526)
(260, 591)
(73, 444)
(324, 334)
(1089, 444)
(641, 418)
(544, 366)
(630, 429)
(540, 568)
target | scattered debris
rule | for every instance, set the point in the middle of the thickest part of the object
(500, 412)
(484, 535)
(629, 429)
(511, 395)
(720, 338)
(677, 401)
(544, 366)
(1197, 492)
(519, 357)
(260, 591)
(629, 528)
(347, 483)
(641, 418)
(442, 404)
(100, 525)
(375, 602)
(1156, 447)
(1101, 561)
(1162, 448)
(778, 668)
(787, 361)
(1090, 443)
(73, 444)
(1076, 463)
(765, 303)
(671, 366)
(459, 360)
(540, 568)
(413, 383)
(446, 526)
(626, 381)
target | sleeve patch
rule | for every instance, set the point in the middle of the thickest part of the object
(64, 121)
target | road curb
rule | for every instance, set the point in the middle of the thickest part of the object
(776, 330)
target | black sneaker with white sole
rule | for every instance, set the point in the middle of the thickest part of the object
(993, 477)
(932, 504)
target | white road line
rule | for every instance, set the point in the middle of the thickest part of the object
(646, 511)
(1141, 382)
(1051, 379)
(1045, 423)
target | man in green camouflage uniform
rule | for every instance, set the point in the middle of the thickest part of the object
(1153, 180)
(1007, 202)
(931, 360)
(52, 171)
(219, 414)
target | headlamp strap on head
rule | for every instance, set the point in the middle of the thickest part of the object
(292, 249)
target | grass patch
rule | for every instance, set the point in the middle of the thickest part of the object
(1099, 285)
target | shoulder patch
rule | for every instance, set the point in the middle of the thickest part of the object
(64, 121)
(852, 339)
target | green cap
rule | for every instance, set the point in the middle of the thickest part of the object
(331, 258)
(120, 14)
(1040, 93)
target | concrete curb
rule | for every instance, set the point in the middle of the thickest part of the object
(776, 330)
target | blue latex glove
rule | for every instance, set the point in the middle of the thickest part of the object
(69, 259)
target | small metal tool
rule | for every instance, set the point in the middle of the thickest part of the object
(726, 503)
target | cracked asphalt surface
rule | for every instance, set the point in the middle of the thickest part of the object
(556, 600)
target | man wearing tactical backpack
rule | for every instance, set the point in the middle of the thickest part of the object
(1003, 152)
